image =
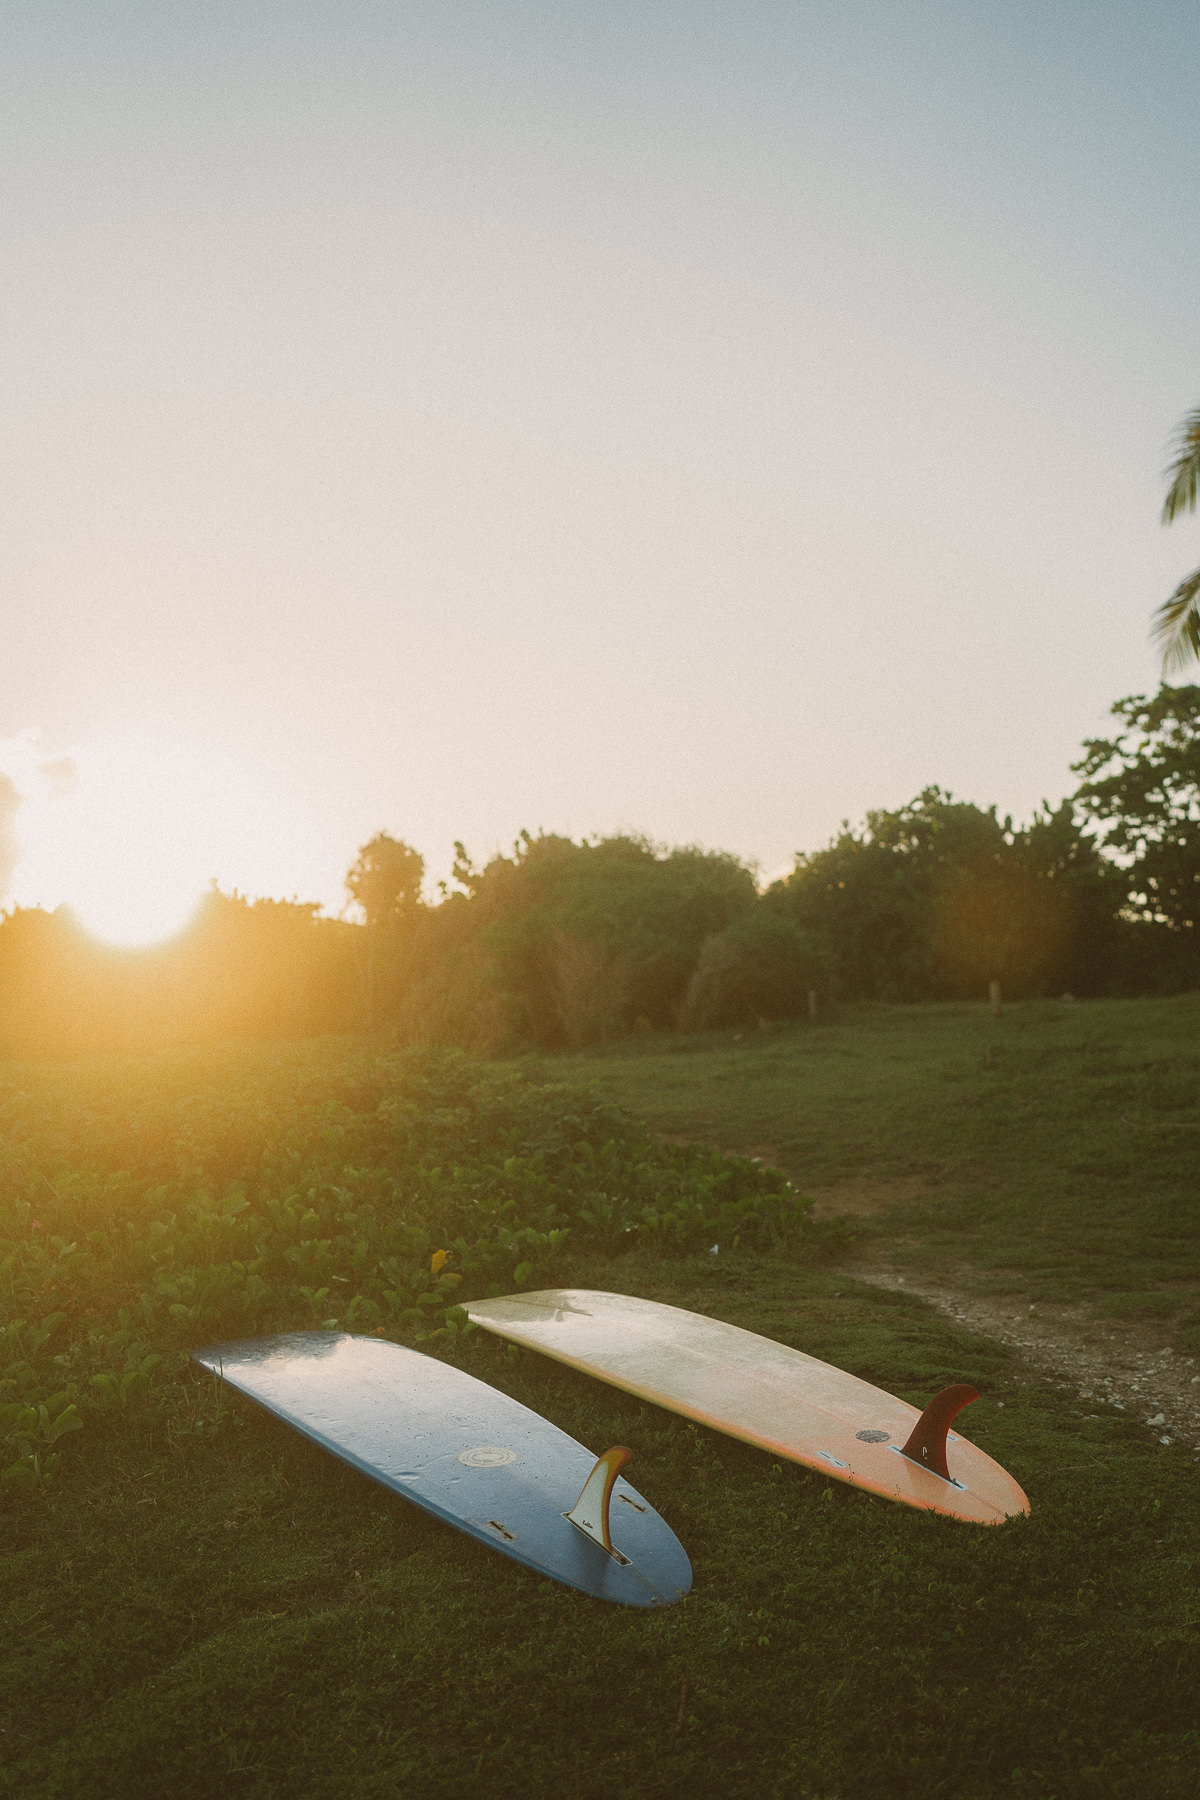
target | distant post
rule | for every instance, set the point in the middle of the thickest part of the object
(994, 998)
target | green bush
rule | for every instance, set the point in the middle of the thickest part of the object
(763, 966)
(941, 897)
(242, 969)
(143, 1217)
(561, 944)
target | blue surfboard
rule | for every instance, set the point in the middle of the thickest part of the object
(467, 1453)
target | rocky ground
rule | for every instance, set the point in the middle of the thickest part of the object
(1121, 1365)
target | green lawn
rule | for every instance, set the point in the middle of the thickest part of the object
(203, 1604)
(1059, 1146)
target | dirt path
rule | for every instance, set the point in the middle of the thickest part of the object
(1102, 1361)
(1122, 1363)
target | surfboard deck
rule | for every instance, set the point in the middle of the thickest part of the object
(463, 1451)
(750, 1387)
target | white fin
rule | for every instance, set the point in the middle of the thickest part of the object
(590, 1511)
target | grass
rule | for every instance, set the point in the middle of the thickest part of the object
(1057, 1147)
(200, 1603)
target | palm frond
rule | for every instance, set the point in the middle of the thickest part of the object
(1176, 627)
(1184, 472)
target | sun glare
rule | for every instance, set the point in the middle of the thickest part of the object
(128, 832)
(130, 839)
(130, 921)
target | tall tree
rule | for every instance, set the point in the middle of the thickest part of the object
(1142, 789)
(1177, 621)
(385, 882)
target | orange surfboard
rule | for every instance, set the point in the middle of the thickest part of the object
(766, 1393)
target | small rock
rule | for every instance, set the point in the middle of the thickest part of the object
(1158, 1419)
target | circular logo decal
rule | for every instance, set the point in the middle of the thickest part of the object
(873, 1437)
(487, 1456)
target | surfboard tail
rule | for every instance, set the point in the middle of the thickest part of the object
(590, 1511)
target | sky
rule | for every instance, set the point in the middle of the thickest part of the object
(451, 419)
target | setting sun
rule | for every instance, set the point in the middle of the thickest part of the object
(129, 830)
(130, 838)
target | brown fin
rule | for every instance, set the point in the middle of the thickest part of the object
(927, 1441)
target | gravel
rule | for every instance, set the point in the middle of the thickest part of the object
(1120, 1365)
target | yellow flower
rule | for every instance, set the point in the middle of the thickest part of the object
(436, 1260)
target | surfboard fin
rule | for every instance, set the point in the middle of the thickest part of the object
(927, 1441)
(590, 1511)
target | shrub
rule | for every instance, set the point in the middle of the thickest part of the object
(763, 966)
(935, 900)
(569, 943)
(147, 1209)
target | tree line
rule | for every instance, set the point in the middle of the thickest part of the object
(559, 943)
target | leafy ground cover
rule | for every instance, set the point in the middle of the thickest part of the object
(148, 1209)
(1055, 1150)
(200, 1603)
